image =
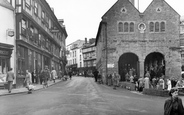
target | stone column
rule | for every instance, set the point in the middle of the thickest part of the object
(141, 68)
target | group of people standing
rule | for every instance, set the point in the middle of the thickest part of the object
(113, 79)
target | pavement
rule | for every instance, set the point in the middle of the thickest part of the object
(4, 92)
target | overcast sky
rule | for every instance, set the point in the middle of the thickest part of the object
(82, 17)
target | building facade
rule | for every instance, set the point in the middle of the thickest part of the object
(149, 41)
(89, 56)
(40, 38)
(74, 56)
(7, 39)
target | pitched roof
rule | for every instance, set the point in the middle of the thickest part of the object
(6, 4)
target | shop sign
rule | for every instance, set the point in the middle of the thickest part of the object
(11, 32)
(3, 52)
(110, 65)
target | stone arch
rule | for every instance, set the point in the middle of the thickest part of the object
(126, 62)
(155, 64)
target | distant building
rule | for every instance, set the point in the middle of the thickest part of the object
(40, 38)
(7, 39)
(74, 56)
(130, 40)
(89, 56)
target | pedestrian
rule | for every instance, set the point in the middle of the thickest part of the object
(173, 105)
(146, 82)
(85, 73)
(115, 78)
(45, 76)
(169, 84)
(28, 81)
(53, 74)
(95, 73)
(9, 78)
(141, 83)
(33, 76)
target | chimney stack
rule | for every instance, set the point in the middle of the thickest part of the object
(86, 41)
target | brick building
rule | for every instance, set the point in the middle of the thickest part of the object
(147, 41)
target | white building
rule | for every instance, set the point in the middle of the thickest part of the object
(74, 55)
(7, 38)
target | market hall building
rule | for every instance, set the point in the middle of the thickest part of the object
(128, 39)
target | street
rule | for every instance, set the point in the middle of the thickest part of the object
(81, 96)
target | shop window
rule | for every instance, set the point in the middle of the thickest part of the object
(3, 65)
(21, 61)
(131, 27)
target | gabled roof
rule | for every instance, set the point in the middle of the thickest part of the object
(6, 4)
(164, 2)
(117, 3)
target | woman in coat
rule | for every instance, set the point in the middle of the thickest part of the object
(173, 105)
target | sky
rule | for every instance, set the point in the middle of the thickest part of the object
(82, 17)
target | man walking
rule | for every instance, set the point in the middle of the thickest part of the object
(95, 73)
(9, 78)
(53, 74)
(46, 76)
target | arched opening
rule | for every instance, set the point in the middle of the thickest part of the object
(127, 62)
(155, 64)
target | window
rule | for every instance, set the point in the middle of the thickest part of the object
(157, 27)
(162, 27)
(28, 4)
(120, 27)
(24, 27)
(36, 8)
(151, 25)
(36, 39)
(126, 27)
(123, 10)
(43, 15)
(131, 27)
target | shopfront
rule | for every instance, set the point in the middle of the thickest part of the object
(5, 55)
